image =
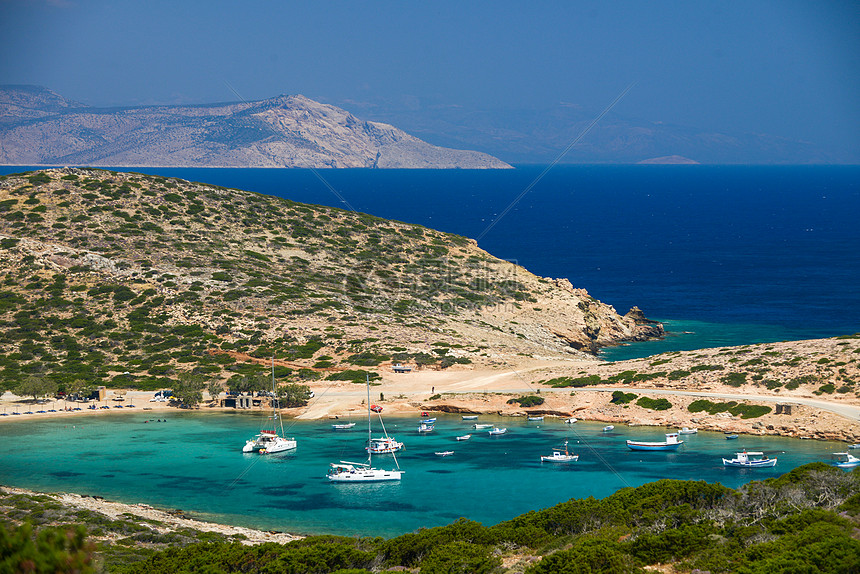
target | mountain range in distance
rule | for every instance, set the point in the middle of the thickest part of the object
(539, 135)
(40, 127)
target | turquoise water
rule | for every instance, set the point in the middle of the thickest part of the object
(193, 461)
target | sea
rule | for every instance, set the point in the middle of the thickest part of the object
(193, 461)
(722, 255)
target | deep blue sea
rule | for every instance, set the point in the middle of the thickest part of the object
(724, 255)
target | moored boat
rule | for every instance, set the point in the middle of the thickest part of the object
(571, 420)
(608, 428)
(445, 453)
(470, 417)
(731, 436)
(844, 460)
(750, 460)
(384, 445)
(428, 421)
(671, 443)
(269, 441)
(464, 437)
(686, 430)
(497, 431)
(480, 426)
(425, 428)
(560, 455)
(342, 426)
(352, 472)
(538, 418)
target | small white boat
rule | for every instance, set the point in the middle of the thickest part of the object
(750, 460)
(342, 426)
(496, 431)
(560, 455)
(855, 445)
(425, 428)
(428, 421)
(608, 428)
(845, 460)
(671, 443)
(571, 420)
(535, 418)
(384, 445)
(686, 430)
(445, 453)
(731, 436)
(470, 417)
(464, 437)
(480, 426)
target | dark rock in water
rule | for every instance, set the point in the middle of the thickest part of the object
(645, 329)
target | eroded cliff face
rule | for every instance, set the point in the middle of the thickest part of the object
(39, 127)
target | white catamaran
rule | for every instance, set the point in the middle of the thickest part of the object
(269, 441)
(344, 471)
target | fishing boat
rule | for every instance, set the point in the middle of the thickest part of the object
(571, 420)
(560, 455)
(731, 436)
(342, 426)
(844, 460)
(428, 421)
(353, 472)
(425, 428)
(385, 445)
(464, 437)
(269, 441)
(750, 460)
(686, 430)
(855, 445)
(470, 417)
(671, 443)
(497, 431)
(445, 453)
(535, 418)
(376, 408)
(480, 426)
(608, 428)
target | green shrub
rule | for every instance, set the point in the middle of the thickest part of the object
(654, 404)
(527, 401)
(622, 398)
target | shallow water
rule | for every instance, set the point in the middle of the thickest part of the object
(193, 461)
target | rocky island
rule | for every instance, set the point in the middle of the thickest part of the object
(40, 127)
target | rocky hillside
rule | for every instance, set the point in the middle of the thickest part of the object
(131, 279)
(39, 127)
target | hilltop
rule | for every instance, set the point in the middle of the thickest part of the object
(130, 280)
(40, 127)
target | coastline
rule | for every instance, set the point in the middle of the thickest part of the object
(487, 388)
(161, 521)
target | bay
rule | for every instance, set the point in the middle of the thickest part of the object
(193, 461)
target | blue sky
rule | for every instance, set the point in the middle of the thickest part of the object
(787, 68)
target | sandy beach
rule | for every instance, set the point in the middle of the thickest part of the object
(487, 388)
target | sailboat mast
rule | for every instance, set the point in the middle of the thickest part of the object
(369, 434)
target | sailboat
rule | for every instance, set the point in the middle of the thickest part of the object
(269, 441)
(345, 471)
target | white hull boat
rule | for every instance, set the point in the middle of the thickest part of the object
(750, 460)
(686, 430)
(845, 460)
(464, 437)
(560, 455)
(571, 420)
(497, 431)
(480, 426)
(608, 428)
(671, 443)
(470, 417)
(535, 418)
(384, 445)
(344, 472)
(425, 428)
(342, 426)
(269, 441)
(445, 453)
